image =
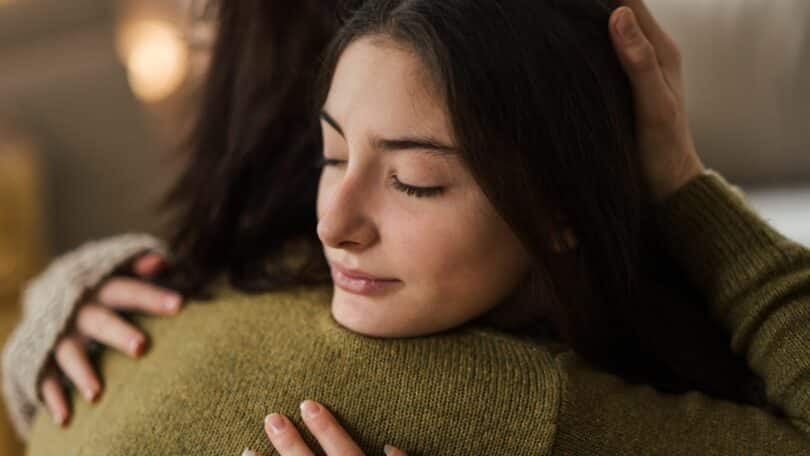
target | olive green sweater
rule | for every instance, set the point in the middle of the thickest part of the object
(218, 368)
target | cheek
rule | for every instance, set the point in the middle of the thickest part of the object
(461, 262)
(481, 258)
(457, 258)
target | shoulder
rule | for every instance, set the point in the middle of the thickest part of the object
(461, 383)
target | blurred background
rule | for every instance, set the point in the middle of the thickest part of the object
(96, 96)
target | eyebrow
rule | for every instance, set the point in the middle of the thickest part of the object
(422, 143)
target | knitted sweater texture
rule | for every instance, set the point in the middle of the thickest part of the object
(214, 371)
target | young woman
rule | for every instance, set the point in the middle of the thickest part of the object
(423, 91)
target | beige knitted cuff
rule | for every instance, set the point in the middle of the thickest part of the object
(48, 305)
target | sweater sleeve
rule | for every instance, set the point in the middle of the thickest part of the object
(757, 285)
(48, 305)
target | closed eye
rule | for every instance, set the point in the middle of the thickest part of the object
(418, 192)
(410, 190)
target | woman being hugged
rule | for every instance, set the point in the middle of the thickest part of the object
(481, 169)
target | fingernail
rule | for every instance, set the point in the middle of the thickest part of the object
(136, 345)
(309, 409)
(388, 449)
(58, 418)
(276, 422)
(90, 394)
(627, 25)
(171, 303)
(248, 452)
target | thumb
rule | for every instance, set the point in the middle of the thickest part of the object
(148, 265)
(654, 97)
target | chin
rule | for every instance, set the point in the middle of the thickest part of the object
(360, 315)
(355, 318)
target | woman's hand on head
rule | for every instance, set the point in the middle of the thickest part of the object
(331, 436)
(97, 320)
(652, 61)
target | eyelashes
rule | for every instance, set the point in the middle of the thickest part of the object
(418, 192)
(410, 190)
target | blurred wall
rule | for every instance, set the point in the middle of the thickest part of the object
(62, 84)
(80, 157)
(21, 230)
(747, 76)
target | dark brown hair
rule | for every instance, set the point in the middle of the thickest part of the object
(543, 116)
(250, 184)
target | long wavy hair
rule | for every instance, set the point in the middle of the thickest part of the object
(250, 184)
(543, 116)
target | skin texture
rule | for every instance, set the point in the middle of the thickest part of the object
(455, 256)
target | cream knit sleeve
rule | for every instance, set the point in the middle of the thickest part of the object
(48, 305)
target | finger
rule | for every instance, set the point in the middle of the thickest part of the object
(665, 47)
(655, 98)
(71, 358)
(133, 294)
(284, 436)
(392, 451)
(54, 397)
(106, 326)
(329, 433)
(249, 452)
(149, 265)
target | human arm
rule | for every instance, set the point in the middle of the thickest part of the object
(743, 267)
(53, 321)
(756, 283)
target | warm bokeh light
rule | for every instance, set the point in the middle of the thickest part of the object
(156, 59)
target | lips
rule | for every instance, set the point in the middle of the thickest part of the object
(356, 273)
(359, 282)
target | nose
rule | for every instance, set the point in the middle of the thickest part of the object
(346, 221)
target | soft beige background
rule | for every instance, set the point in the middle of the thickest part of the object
(64, 88)
(747, 66)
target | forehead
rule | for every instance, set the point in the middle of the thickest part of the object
(382, 84)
